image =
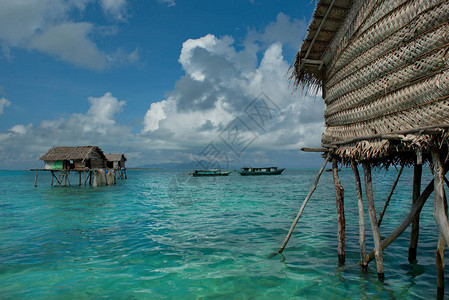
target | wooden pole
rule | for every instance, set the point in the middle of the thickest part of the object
(126, 177)
(339, 199)
(35, 180)
(79, 172)
(304, 205)
(362, 240)
(439, 195)
(439, 259)
(382, 213)
(372, 215)
(414, 233)
(53, 175)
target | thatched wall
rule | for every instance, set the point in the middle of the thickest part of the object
(384, 74)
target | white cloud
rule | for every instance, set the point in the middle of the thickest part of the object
(283, 30)
(46, 26)
(168, 2)
(217, 86)
(20, 129)
(4, 103)
(115, 8)
(70, 42)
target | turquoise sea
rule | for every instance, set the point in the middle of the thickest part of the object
(166, 235)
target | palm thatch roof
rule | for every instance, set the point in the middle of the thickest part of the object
(328, 17)
(115, 156)
(383, 68)
(71, 153)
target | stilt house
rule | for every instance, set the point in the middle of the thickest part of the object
(116, 160)
(382, 67)
(74, 158)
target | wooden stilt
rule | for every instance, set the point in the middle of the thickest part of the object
(126, 177)
(339, 197)
(52, 175)
(362, 240)
(414, 233)
(439, 195)
(35, 180)
(382, 213)
(80, 176)
(287, 238)
(374, 226)
(439, 259)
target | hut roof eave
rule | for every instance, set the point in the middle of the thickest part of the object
(307, 69)
(115, 156)
(70, 153)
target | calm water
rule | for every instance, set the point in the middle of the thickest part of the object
(163, 234)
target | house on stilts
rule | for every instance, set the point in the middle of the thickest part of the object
(89, 162)
(382, 67)
(117, 161)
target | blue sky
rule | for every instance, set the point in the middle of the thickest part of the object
(164, 81)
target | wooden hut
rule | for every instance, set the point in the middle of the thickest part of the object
(117, 161)
(382, 67)
(74, 158)
(88, 161)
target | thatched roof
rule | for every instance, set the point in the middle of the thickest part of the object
(383, 67)
(71, 153)
(329, 15)
(115, 156)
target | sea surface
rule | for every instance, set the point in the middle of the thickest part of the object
(167, 235)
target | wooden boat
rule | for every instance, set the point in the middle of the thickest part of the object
(213, 172)
(261, 171)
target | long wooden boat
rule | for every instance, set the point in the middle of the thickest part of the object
(213, 172)
(261, 171)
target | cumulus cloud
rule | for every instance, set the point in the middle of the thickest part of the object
(216, 90)
(4, 103)
(46, 26)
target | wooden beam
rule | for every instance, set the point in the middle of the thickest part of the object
(306, 149)
(339, 199)
(372, 216)
(382, 213)
(287, 238)
(414, 211)
(35, 180)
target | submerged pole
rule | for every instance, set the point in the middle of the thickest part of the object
(372, 215)
(362, 240)
(339, 199)
(414, 233)
(287, 238)
(35, 179)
